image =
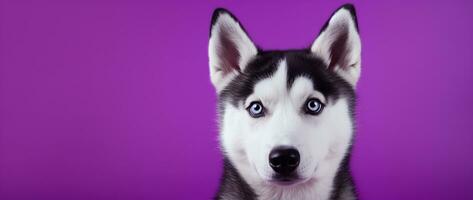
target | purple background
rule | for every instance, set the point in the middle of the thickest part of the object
(102, 100)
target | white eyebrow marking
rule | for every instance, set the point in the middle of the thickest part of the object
(303, 88)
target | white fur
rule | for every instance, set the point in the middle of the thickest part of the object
(321, 140)
(246, 48)
(341, 20)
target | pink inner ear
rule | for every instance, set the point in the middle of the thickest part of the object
(228, 54)
(339, 50)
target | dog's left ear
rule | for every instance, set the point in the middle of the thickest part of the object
(230, 48)
(339, 44)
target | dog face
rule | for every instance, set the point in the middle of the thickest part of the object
(286, 117)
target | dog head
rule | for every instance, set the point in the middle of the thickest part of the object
(286, 117)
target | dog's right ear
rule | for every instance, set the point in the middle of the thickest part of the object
(230, 48)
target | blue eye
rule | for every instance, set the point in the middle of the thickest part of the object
(256, 109)
(313, 106)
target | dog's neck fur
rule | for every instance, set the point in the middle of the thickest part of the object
(336, 184)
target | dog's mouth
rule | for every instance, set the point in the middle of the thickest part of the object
(291, 180)
(287, 180)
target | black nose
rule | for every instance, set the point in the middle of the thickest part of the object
(284, 160)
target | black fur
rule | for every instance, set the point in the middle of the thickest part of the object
(299, 63)
(232, 184)
(343, 181)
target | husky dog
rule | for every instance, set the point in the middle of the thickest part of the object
(286, 117)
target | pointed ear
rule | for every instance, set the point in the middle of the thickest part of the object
(339, 44)
(230, 48)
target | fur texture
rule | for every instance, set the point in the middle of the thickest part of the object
(282, 82)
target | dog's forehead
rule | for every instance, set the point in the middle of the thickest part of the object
(277, 85)
(277, 71)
